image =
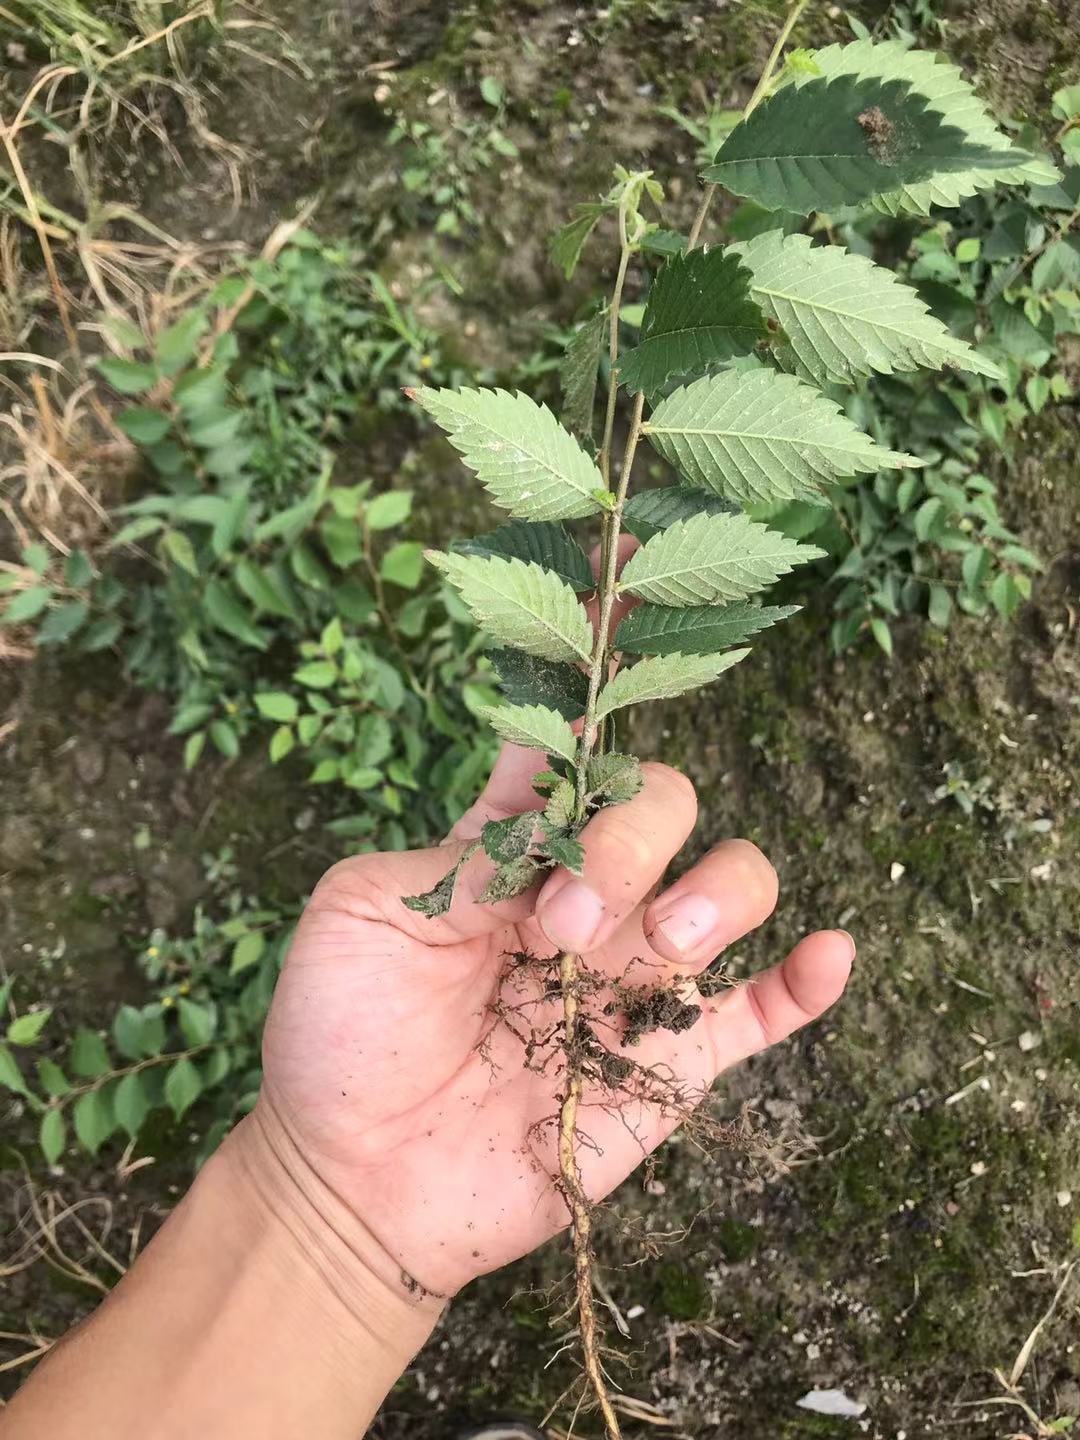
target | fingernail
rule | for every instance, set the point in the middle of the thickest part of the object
(573, 916)
(688, 924)
(850, 940)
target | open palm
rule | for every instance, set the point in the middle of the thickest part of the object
(404, 1090)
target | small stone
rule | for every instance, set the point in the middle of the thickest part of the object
(897, 871)
(978, 1167)
(1064, 1198)
(88, 760)
(1028, 1040)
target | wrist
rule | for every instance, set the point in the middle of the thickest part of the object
(343, 1275)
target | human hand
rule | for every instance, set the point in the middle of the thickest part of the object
(395, 1087)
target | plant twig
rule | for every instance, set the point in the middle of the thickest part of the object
(570, 967)
(759, 94)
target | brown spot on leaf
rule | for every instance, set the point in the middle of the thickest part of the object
(879, 132)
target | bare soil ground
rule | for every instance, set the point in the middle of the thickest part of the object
(930, 1127)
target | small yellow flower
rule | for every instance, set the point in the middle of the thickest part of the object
(425, 362)
(152, 950)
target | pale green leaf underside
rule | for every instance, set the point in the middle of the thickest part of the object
(836, 141)
(762, 436)
(520, 604)
(950, 96)
(698, 630)
(711, 558)
(699, 314)
(845, 316)
(522, 455)
(534, 726)
(661, 677)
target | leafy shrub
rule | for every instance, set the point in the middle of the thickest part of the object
(1003, 272)
(252, 586)
(197, 1039)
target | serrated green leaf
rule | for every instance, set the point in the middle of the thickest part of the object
(711, 558)
(698, 630)
(523, 457)
(52, 1135)
(93, 1120)
(544, 542)
(950, 96)
(567, 243)
(650, 511)
(27, 605)
(534, 726)
(660, 677)
(559, 810)
(843, 316)
(183, 1086)
(519, 604)
(567, 852)
(528, 680)
(131, 1104)
(578, 374)
(762, 436)
(699, 314)
(508, 840)
(829, 142)
(615, 778)
(63, 622)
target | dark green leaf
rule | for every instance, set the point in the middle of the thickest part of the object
(509, 839)
(10, 1074)
(224, 611)
(198, 1022)
(127, 1032)
(834, 142)
(566, 852)
(528, 680)
(578, 373)
(567, 243)
(53, 1080)
(699, 314)
(650, 511)
(699, 630)
(544, 542)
